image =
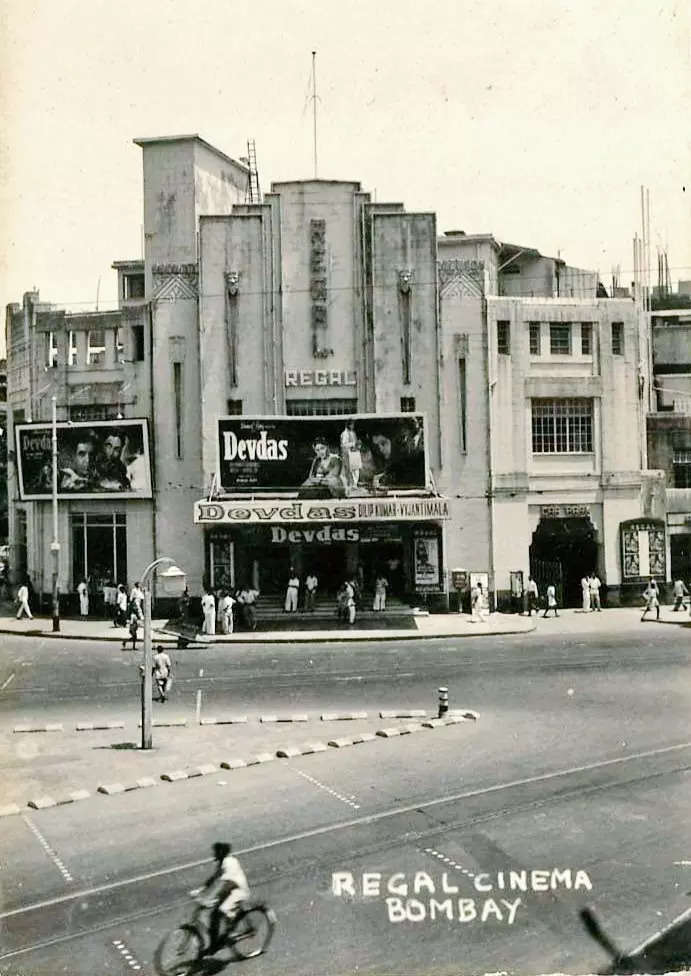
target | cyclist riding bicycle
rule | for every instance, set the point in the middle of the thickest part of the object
(224, 892)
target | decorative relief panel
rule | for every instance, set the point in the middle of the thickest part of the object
(174, 282)
(461, 278)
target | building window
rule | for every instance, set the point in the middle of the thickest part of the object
(178, 394)
(462, 405)
(99, 548)
(562, 426)
(119, 347)
(504, 338)
(233, 408)
(138, 341)
(586, 339)
(51, 351)
(535, 339)
(617, 338)
(560, 339)
(681, 467)
(320, 408)
(72, 357)
(88, 412)
(96, 347)
(133, 286)
(407, 404)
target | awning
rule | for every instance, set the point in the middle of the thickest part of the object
(268, 511)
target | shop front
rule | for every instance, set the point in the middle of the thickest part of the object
(399, 538)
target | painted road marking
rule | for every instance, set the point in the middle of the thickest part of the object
(132, 961)
(327, 789)
(48, 849)
(7, 682)
(346, 825)
(447, 860)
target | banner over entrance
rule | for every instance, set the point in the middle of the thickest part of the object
(323, 457)
(275, 511)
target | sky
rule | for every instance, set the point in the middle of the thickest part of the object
(537, 122)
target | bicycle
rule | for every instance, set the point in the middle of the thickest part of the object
(247, 935)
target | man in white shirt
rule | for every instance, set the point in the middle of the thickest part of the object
(224, 891)
(137, 598)
(248, 598)
(532, 595)
(162, 671)
(23, 601)
(226, 608)
(83, 591)
(209, 611)
(292, 590)
(311, 585)
(594, 584)
(680, 591)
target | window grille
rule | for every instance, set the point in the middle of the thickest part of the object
(560, 338)
(562, 426)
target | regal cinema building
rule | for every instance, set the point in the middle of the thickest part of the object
(318, 381)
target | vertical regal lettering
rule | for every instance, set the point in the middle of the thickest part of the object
(318, 289)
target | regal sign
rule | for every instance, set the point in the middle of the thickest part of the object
(320, 377)
(293, 511)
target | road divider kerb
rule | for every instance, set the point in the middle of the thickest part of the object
(342, 716)
(46, 727)
(42, 803)
(363, 737)
(232, 720)
(205, 769)
(74, 797)
(174, 776)
(10, 810)
(145, 782)
(306, 749)
(404, 713)
(266, 719)
(167, 723)
(262, 757)
(96, 727)
(111, 789)
(233, 764)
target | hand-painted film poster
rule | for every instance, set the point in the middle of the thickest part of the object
(95, 460)
(323, 457)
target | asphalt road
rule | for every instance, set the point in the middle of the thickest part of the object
(579, 763)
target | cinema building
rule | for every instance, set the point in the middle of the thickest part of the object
(317, 381)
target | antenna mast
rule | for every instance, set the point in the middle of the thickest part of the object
(314, 107)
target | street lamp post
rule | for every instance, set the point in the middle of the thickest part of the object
(175, 576)
(55, 544)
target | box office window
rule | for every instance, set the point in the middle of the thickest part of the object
(321, 408)
(99, 547)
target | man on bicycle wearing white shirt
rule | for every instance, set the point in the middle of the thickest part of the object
(225, 891)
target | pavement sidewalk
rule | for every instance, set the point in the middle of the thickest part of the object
(423, 625)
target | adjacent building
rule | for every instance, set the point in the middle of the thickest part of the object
(320, 382)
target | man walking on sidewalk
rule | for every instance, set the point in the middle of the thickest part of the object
(680, 592)
(551, 600)
(652, 600)
(532, 594)
(23, 602)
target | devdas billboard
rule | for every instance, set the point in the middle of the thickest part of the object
(95, 460)
(323, 457)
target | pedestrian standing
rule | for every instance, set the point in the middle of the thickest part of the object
(551, 600)
(83, 591)
(132, 624)
(248, 599)
(23, 602)
(162, 673)
(349, 600)
(209, 611)
(380, 585)
(478, 604)
(311, 587)
(585, 594)
(292, 591)
(137, 598)
(680, 591)
(121, 606)
(226, 604)
(532, 595)
(651, 596)
(594, 587)
(110, 595)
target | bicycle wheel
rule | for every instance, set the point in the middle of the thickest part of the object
(252, 932)
(178, 952)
